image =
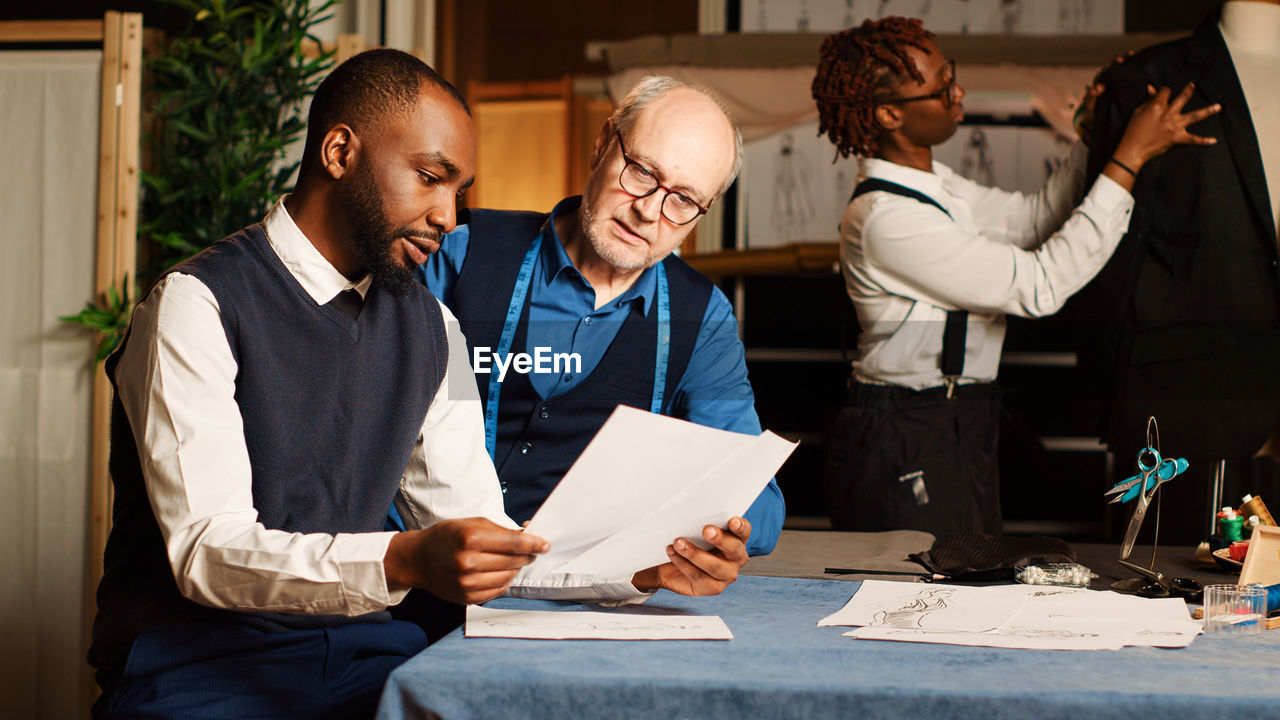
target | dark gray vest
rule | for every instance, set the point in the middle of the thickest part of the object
(332, 408)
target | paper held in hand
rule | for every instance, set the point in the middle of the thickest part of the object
(584, 625)
(643, 481)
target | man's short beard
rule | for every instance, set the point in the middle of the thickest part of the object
(374, 235)
(617, 260)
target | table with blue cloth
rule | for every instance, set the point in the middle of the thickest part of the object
(779, 664)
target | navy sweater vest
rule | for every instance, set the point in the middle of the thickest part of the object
(538, 440)
(332, 409)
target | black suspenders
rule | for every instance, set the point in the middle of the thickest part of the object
(953, 334)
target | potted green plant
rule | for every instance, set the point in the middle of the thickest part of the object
(227, 97)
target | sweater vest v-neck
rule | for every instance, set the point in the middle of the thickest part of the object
(539, 439)
(332, 409)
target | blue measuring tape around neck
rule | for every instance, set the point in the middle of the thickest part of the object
(512, 320)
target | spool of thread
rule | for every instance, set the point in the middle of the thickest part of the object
(1230, 525)
(1253, 505)
(1273, 597)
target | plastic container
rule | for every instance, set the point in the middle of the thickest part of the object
(1235, 609)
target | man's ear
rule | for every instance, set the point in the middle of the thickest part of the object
(338, 150)
(602, 143)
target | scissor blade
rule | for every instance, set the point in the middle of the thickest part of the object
(1124, 485)
(1135, 522)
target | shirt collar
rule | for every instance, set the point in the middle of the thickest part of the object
(556, 262)
(314, 273)
(932, 184)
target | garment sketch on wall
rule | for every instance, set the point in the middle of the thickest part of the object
(1046, 17)
(1007, 17)
(977, 163)
(1075, 15)
(792, 194)
(922, 10)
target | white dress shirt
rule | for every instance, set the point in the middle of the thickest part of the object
(905, 263)
(176, 381)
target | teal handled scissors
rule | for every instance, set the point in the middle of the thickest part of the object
(1153, 471)
(1165, 470)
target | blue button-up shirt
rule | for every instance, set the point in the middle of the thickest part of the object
(714, 390)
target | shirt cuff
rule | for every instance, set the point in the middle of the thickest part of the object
(1109, 196)
(363, 572)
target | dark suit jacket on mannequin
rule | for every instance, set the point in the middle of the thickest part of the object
(1184, 322)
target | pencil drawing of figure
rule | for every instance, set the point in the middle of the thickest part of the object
(1006, 18)
(1074, 15)
(976, 162)
(792, 203)
(916, 609)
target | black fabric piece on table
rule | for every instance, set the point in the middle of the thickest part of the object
(978, 557)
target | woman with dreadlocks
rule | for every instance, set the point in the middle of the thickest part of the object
(933, 262)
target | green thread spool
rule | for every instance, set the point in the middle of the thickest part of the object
(1231, 527)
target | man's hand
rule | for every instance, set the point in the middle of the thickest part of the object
(468, 561)
(694, 571)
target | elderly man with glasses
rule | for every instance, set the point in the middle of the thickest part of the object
(933, 262)
(594, 285)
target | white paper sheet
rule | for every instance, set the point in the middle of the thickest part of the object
(929, 606)
(643, 481)
(579, 625)
(1022, 639)
(1053, 618)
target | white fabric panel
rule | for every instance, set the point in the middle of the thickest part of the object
(48, 220)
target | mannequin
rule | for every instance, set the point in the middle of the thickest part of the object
(1183, 324)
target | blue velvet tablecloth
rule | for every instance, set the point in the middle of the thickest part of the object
(780, 665)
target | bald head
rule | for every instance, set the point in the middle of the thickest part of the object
(667, 148)
(680, 107)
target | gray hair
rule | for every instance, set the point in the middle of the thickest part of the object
(652, 87)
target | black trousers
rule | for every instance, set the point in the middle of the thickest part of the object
(908, 459)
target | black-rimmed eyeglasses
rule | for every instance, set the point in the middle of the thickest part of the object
(947, 93)
(639, 182)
